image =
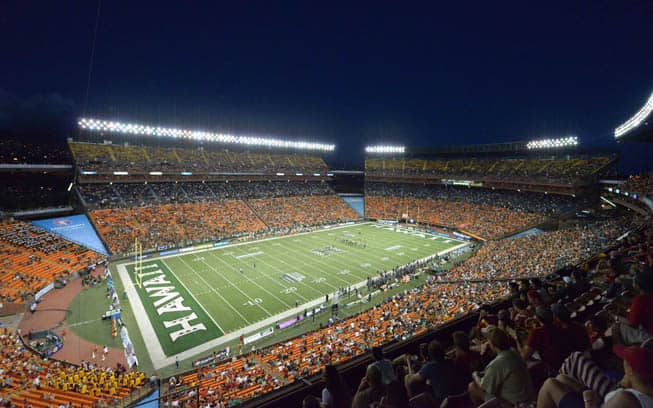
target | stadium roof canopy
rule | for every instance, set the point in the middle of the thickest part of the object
(639, 127)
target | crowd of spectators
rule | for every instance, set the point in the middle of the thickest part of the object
(291, 212)
(141, 159)
(27, 379)
(541, 254)
(140, 194)
(567, 170)
(487, 213)
(165, 215)
(174, 225)
(513, 200)
(31, 258)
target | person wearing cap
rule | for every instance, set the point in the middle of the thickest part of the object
(545, 339)
(505, 377)
(638, 326)
(636, 385)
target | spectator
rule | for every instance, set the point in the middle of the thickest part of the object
(544, 339)
(636, 391)
(384, 365)
(638, 326)
(371, 389)
(335, 394)
(464, 360)
(575, 335)
(506, 377)
(436, 372)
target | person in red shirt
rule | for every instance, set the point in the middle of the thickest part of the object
(575, 335)
(638, 326)
(544, 339)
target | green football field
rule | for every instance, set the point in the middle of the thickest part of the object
(193, 298)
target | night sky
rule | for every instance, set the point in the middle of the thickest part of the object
(353, 73)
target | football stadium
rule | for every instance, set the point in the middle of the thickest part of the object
(183, 262)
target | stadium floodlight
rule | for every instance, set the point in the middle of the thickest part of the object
(156, 173)
(636, 119)
(120, 173)
(136, 129)
(385, 149)
(553, 143)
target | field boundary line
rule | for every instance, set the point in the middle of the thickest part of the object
(153, 348)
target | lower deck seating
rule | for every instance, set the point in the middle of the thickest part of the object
(29, 379)
(31, 258)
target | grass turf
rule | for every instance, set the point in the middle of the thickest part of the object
(278, 274)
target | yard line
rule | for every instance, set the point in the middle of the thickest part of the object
(193, 296)
(369, 258)
(335, 263)
(214, 291)
(308, 286)
(330, 266)
(280, 271)
(337, 257)
(252, 281)
(236, 287)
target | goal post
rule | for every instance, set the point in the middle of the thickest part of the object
(138, 263)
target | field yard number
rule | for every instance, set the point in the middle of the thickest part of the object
(253, 302)
(344, 272)
(289, 290)
(319, 280)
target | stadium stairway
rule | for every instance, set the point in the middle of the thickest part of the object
(256, 213)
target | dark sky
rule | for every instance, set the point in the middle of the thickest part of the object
(352, 73)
